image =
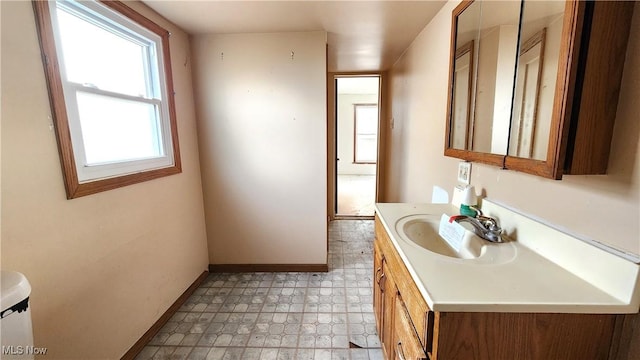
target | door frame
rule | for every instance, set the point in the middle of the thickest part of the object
(332, 140)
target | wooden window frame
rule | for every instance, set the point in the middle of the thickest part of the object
(75, 188)
(355, 131)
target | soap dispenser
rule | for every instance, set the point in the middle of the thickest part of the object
(469, 200)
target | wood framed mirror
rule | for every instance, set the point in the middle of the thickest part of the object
(479, 106)
(548, 64)
(543, 90)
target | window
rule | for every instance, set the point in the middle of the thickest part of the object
(109, 76)
(365, 134)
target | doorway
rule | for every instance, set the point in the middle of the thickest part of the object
(357, 119)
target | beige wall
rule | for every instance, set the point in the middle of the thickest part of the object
(262, 135)
(603, 208)
(346, 131)
(104, 267)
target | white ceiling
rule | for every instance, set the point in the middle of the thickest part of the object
(361, 35)
(358, 85)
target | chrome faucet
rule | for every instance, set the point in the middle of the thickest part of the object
(484, 226)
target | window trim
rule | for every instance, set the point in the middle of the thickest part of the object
(355, 131)
(74, 187)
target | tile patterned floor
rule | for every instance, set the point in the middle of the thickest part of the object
(282, 315)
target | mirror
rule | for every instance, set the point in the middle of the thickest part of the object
(496, 68)
(527, 95)
(505, 63)
(483, 63)
(533, 84)
(461, 112)
(541, 34)
(463, 75)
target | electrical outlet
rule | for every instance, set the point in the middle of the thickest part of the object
(464, 172)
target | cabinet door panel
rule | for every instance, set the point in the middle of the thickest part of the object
(524, 336)
(378, 278)
(406, 342)
(389, 296)
(394, 265)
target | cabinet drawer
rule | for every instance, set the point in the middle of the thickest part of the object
(406, 342)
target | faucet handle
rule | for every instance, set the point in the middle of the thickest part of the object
(476, 209)
(484, 226)
(494, 227)
(456, 218)
(488, 222)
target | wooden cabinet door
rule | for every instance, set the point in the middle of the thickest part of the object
(378, 278)
(384, 295)
(407, 346)
(390, 291)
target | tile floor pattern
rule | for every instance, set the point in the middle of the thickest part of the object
(282, 315)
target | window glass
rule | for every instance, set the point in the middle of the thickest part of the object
(366, 139)
(101, 58)
(118, 130)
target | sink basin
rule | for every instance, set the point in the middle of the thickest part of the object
(422, 230)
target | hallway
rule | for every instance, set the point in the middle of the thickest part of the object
(356, 195)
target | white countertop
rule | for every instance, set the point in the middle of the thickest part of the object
(529, 282)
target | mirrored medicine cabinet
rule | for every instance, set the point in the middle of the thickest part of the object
(534, 85)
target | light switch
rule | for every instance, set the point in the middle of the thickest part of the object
(464, 172)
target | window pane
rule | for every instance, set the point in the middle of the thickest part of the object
(118, 130)
(366, 133)
(367, 119)
(101, 58)
(366, 148)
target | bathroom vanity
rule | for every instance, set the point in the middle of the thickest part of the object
(541, 294)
